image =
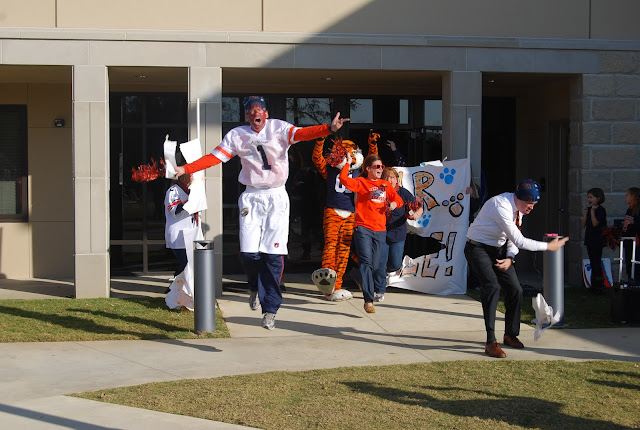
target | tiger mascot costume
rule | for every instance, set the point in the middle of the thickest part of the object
(338, 218)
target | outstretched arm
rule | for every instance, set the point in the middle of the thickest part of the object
(201, 163)
(396, 153)
(303, 134)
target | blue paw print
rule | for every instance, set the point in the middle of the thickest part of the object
(447, 176)
(424, 220)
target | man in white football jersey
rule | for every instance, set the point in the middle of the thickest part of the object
(264, 206)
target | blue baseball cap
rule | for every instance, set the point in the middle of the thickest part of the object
(251, 101)
(528, 191)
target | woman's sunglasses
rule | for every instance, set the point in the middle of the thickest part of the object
(378, 166)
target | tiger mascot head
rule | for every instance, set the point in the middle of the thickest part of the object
(337, 156)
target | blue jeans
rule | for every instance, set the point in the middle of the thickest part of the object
(396, 252)
(369, 249)
(391, 260)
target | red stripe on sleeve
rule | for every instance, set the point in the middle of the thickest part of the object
(227, 153)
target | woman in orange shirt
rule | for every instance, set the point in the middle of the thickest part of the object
(374, 196)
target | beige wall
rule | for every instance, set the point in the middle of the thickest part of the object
(15, 250)
(28, 13)
(570, 19)
(615, 19)
(216, 15)
(43, 245)
(539, 18)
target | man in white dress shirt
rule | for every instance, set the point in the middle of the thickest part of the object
(493, 241)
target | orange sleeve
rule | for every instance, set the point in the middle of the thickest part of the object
(309, 133)
(202, 163)
(350, 183)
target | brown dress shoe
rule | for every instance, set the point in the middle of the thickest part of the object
(512, 341)
(493, 350)
(368, 308)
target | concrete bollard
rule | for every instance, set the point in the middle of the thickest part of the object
(553, 280)
(204, 293)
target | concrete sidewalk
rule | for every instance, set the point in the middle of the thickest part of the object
(310, 333)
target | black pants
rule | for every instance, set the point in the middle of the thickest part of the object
(595, 259)
(481, 259)
(181, 256)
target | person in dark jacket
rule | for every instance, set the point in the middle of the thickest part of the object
(631, 228)
(393, 251)
(594, 219)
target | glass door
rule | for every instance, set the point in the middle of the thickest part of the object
(139, 124)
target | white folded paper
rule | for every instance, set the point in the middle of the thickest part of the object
(170, 158)
(544, 316)
(191, 151)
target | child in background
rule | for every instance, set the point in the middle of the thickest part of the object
(594, 219)
(631, 228)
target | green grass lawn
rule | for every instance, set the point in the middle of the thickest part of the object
(56, 320)
(462, 395)
(552, 395)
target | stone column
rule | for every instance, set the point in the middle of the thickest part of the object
(604, 144)
(205, 83)
(91, 180)
(461, 100)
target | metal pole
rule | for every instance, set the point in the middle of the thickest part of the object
(553, 280)
(204, 298)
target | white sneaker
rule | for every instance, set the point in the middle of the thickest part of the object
(339, 295)
(269, 320)
(254, 300)
(377, 297)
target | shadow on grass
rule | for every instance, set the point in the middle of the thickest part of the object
(148, 302)
(135, 320)
(618, 373)
(87, 325)
(528, 412)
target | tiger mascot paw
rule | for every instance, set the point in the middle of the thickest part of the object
(339, 295)
(325, 280)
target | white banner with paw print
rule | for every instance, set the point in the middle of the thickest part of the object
(442, 187)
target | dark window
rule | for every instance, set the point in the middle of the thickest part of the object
(139, 124)
(13, 162)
